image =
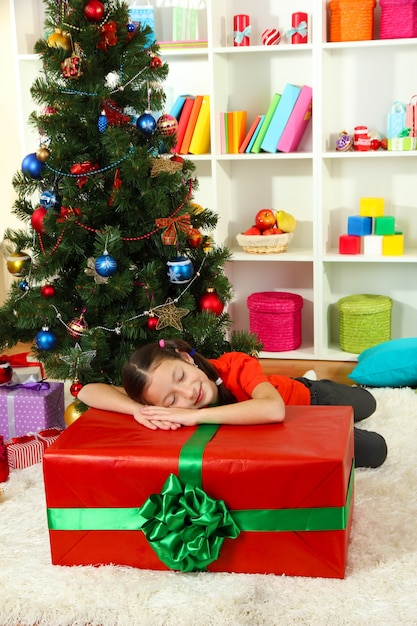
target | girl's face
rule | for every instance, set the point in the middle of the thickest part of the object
(179, 384)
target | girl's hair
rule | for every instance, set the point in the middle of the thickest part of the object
(135, 373)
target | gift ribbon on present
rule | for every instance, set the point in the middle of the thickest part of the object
(21, 360)
(171, 224)
(239, 35)
(82, 171)
(165, 517)
(300, 29)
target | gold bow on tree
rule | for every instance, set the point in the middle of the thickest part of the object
(171, 225)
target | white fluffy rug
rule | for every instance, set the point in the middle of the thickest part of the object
(380, 587)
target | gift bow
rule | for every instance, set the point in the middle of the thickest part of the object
(240, 34)
(42, 435)
(300, 29)
(169, 236)
(82, 171)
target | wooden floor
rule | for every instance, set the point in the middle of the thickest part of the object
(335, 370)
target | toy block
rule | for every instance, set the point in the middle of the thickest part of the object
(349, 244)
(371, 207)
(393, 245)
(372, 245)
(384, 225)
(359, 225)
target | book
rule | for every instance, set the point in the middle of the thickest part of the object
(256, 148)
(255, 134)
(192, 120)
(200, 141)
(183, 121)
(280, 117)
(238, 123)
(222, 128)
(176, 108)
(249, 134)
(297, 122)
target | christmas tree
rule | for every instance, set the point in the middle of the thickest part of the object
(114, 251)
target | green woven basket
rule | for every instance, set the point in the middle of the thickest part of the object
(364, 321)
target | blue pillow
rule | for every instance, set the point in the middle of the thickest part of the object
(389, 364)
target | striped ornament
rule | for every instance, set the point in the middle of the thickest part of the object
(271, 37)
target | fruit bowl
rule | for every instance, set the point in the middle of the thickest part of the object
(264, 244)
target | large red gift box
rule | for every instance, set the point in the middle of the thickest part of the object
(282, 494)
(30, 408)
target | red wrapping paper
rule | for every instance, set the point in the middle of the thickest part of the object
(241, 30)
(296, 20)
(108, 460)
(4, 466)
(28, 450)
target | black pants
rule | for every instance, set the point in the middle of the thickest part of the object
(370, 447)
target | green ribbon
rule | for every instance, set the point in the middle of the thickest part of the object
(185, 527)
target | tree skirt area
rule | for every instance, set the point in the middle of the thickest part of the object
(380, 587)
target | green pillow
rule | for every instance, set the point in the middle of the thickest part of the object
(389, 364)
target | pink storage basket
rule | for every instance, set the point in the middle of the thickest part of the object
(275, 317)
(398, 19)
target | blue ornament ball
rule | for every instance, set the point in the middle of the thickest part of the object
(24, 285)
(31, 166)
(105, 265)
(146, 123)
(180, 270)
(45, 339)
(50, 200)
(131, 27)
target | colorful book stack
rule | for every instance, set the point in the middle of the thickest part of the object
(283, 125)
(232, 131)
(193, 115)
(371, 232)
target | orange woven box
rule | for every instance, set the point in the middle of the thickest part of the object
(351, 20)
(398, 19)
(275, 317)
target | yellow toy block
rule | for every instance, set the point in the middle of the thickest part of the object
(371, 207)
(393, 245)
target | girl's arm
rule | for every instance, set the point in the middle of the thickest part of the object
(115, 399)
(266, 406)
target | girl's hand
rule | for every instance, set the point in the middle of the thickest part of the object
(154, 424)
(169, 416)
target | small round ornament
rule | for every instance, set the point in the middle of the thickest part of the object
(37, 218)
(48, 291)
(156, 61)
(105, 265)
(76, 388)
(24, 285)
(271, 37)
(152, 322)
(167, 125)
(58, 39)
(194, 238)
(210, 301)
(49, 200)
(42, 153)
(72, 413)
(17, 262)
(146, 123)
(6, 372)
(77, 327)
(180, 270)
(45, 339)
(94, 10)
(130, 27)
(31, 166)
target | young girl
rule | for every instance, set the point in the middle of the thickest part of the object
(168, 385)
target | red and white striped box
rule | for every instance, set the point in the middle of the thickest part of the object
(28, 450)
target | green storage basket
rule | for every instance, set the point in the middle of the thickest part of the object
(364, 321)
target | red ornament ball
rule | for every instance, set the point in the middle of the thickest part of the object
(152, 322)
(77, 327)
(194, 238)
(210, 301)
(6, 372)
(167, 125)
(48, 291)
(37, 218)
(75, 388)
(94, 10)
(156, 62)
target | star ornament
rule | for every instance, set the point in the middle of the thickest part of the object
(169, 315)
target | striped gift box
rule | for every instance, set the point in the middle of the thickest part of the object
(28, 450)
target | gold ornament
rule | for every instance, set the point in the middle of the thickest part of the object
(158, 166)
(16, 263)
(169, 315)
(195, 208)
(58, 39)
(77, 327)
(72, 413)
(42, 153)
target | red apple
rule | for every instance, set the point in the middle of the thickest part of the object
(264, 219)
(253, 230)
(273, 231)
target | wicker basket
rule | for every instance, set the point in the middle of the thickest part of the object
(364, 321)
(351, 20)
(264, 244)
(275, 317)
(398, 19)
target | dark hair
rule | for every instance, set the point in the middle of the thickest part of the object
(135, 373)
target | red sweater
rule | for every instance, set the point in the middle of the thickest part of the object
(241, 373)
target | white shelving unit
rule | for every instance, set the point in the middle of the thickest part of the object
(353, 83)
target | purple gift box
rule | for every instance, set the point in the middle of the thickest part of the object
(26, 410)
